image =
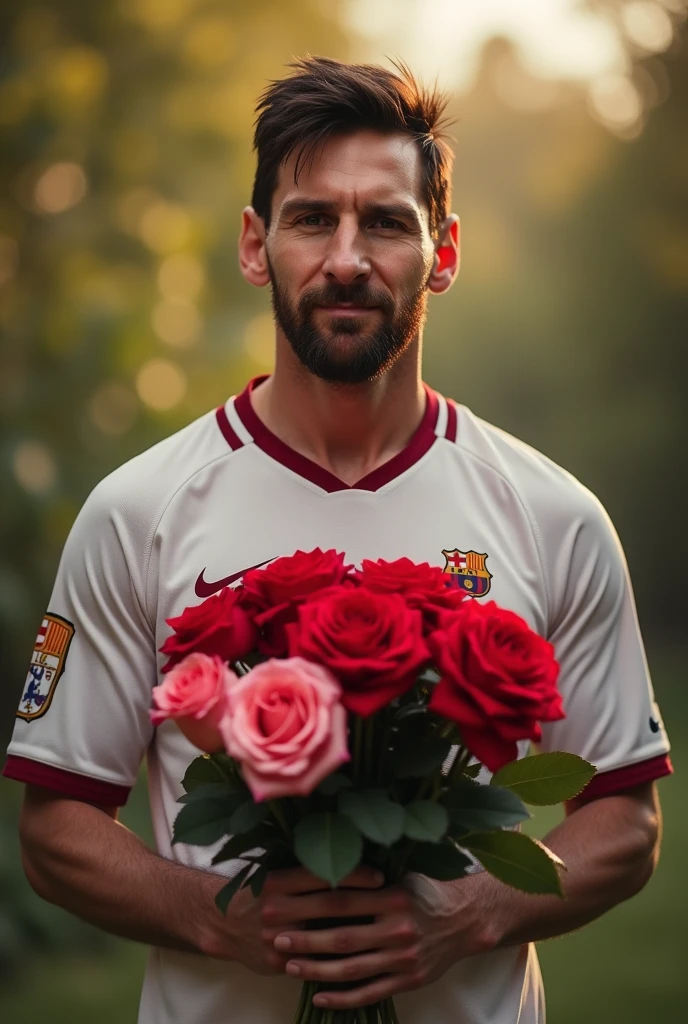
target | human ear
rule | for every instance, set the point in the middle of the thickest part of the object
(447, 259)
(253, 257)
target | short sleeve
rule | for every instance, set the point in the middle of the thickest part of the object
(82, 723)
(612, 718)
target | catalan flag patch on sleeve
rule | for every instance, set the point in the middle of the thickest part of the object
(46, 667)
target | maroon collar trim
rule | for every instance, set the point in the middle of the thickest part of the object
(420, 443)
(229, 434)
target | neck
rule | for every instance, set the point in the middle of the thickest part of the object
(348, 429)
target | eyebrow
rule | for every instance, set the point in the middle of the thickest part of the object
(400, 211)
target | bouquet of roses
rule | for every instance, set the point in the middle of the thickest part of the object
(346, 715)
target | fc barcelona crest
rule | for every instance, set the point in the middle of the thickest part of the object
(47, 665)
(466, 570)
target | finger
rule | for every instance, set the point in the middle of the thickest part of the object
(345, 903)
(351, 968)
(387, 932)
(297, 880)
(378, 989)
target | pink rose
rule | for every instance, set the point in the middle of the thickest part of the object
(194, 693)
(286, 726)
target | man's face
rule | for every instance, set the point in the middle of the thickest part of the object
(349, 253)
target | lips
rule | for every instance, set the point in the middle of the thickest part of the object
(347, 310)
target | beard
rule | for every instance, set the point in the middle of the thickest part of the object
(347, 352)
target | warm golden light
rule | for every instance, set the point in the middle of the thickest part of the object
(177, 323)
(181, 277)
(259, 340)
(615, 101)
(161, 384)
(60, 187)
(34, 467)
(113, 408)
(648, 25)
(164, 226)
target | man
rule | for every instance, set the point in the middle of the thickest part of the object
(342, 446)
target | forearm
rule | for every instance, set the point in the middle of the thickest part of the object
(609, 849)
(94, 867)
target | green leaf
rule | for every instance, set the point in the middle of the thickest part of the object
(201, 770)
(422, 761)
(247, 816)
(516, 859)
(409, 710)
(472, 770)
(482, 807)
(376, 816)
(329, 845)
(202, 823)
(334, 783)
(208, 790)
(425, 820)
(257, 880)
(260, 837)
(224, 897)
(438, 860)
(544, 779)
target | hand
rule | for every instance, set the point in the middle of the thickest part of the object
(420, 930)
(289, 898)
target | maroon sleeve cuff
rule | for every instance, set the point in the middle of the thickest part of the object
(80, 787)
(619, 779)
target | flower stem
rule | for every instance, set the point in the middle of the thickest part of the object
(303, 1003)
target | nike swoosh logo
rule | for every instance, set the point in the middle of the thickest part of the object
(205, 589)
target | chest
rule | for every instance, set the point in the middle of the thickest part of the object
(447, 514)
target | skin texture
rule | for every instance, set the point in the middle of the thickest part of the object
(337, 238)
(78, 856)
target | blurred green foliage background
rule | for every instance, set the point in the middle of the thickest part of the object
(125, 135)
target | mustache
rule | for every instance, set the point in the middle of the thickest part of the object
(352, 294)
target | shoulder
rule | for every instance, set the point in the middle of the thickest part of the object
(130, 500)
(577, 544)
(550, 493)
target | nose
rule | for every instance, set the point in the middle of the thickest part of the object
(346, 261)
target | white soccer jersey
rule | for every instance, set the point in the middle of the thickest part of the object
(224, 494)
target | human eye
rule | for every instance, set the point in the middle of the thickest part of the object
(311, 220)
(387, 224)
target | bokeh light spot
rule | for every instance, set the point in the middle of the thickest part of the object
(210, 42)
(157, 14)
(34, 467)
(164, 226)
(113, 407)
(161, 384)
(177, 323)
(616, 102)
(648, 25)
(60, 187)
(259, 339)
(77, 76)
(181, 277)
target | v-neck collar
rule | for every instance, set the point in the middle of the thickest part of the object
(419, 444)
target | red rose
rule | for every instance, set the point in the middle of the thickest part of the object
(498, 680)
(373, 643)
(218, 626)
(423, 586)
(274, 593)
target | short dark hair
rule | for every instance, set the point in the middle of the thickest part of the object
(325, 97)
